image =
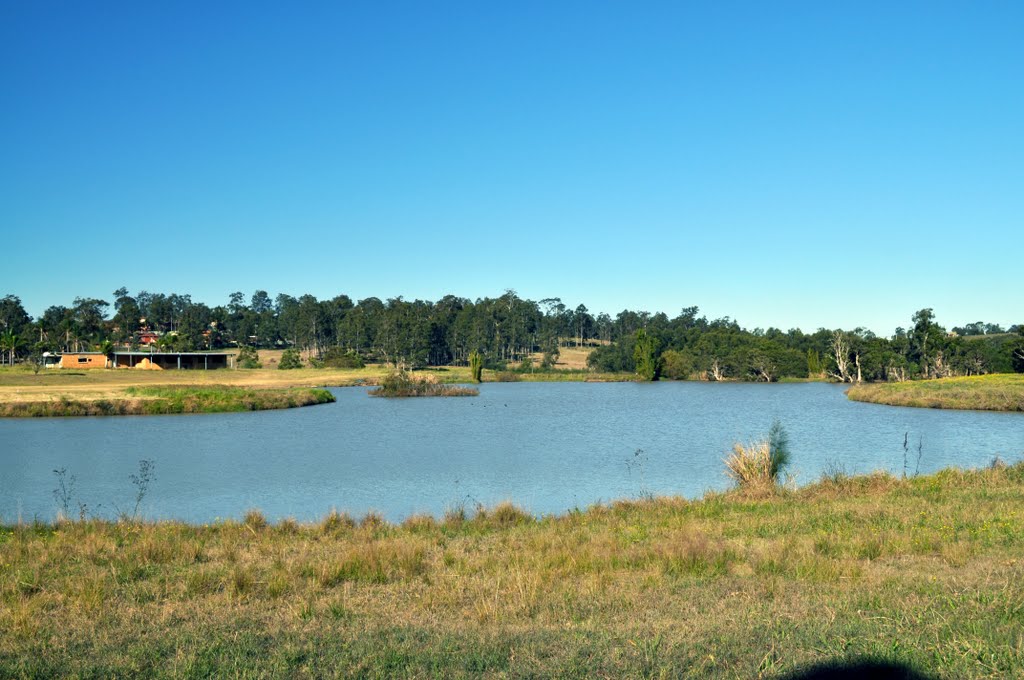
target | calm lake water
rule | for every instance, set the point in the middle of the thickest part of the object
(547, 447)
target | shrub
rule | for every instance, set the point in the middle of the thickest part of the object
(290, 359)
(676, 365)
(248, 358)
(336, 357)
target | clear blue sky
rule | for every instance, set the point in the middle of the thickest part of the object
(791, 164)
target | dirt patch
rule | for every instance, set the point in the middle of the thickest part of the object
(569, 358)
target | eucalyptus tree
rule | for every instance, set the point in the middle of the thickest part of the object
(549, 324)
(126, 317)
(583, 324)
(603, 327)
(627, 323)
(927, 342)
(89, 315)
(445, 333)
(286, 308)
(13, 316)
(312, 327)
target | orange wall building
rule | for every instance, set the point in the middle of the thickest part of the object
(84, 360)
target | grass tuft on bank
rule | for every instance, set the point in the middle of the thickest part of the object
(997, 392)
(162, 400)
(925, 572)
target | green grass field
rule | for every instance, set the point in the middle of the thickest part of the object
(926, 571)
(1000, 392)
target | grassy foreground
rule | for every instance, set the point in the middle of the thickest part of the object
(174, 399)
(927, 571)
(1000, 392)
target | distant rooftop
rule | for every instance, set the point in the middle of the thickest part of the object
(169, 354)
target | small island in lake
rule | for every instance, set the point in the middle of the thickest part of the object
(403, 384)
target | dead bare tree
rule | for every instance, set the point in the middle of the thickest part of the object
(841, 356)
(896, 373)
(764, 367)
(715, 372)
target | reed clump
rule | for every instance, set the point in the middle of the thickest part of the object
(760, 463)
(750, 464)
(404, 384)
(502, 515)
(255, 520)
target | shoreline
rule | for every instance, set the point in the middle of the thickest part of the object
(113, 392)
(122, 392)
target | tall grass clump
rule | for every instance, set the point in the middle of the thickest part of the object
(760, 463)
(255, 520)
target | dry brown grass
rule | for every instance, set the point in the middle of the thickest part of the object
(569, 358)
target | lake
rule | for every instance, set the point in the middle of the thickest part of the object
(549, 447)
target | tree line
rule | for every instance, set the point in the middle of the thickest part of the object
(691, 347)
(506, 330)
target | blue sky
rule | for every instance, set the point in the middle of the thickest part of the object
(788, 164)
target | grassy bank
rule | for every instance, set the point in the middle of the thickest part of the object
(1002, 392)
(925, 571)
(168, 400)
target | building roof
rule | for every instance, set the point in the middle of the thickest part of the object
(171, 354)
